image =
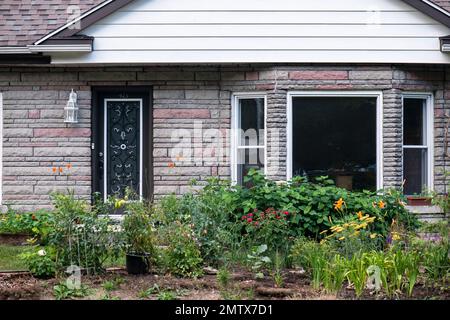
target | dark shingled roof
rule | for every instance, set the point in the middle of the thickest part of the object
(23, 22)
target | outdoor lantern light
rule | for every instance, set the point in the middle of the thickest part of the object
(71, 109)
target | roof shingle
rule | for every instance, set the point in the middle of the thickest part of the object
(23, 22)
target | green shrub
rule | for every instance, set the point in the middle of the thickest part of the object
(40, 261)
(79, 236)
(138, 229)
(62, 291)
(209, 212)
(36, 224)
(181, 256)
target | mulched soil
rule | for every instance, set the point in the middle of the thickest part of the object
(14, 239)
(242, 286)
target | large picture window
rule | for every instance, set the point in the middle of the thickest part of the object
(417, 142)
(336, 135)
(248, 150)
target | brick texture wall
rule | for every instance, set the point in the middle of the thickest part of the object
(35, 138)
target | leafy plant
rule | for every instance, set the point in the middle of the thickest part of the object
(258, 261)
(40, 261)
(223, 277)
(278, 272)
(166, 295)
(313, 257)
(357, 273)
(61, 292)
(112, 285)
(148, 292)
(335, 274)
(137, 225)
(79, 235)
(181, 256)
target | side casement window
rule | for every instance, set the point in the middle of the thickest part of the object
(248, 136)
(417, 143)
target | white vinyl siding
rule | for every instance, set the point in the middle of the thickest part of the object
(177, 31)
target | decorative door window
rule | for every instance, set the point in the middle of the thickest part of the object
(123, 147)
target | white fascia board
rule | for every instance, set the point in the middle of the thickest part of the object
(14, 50)
(61, 48)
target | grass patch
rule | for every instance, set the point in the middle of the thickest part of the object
(9, 258)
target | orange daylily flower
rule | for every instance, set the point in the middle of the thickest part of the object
(338, 204)
(360, 215)
(381, 204)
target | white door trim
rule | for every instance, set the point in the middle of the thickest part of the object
(105, 145)
(379, 130)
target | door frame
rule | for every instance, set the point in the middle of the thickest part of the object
(98, 131)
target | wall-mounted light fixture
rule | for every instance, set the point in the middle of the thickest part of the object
(71, 109)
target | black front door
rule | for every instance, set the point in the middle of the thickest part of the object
(122, 141)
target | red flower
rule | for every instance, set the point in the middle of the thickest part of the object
(250, 215)
(244, 217)
(255, 223)
(33, 217)
(286, 213)
(255, 210)
(249, 220)
(278, 217)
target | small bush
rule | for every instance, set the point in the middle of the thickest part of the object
(40, 262)
(181, 256)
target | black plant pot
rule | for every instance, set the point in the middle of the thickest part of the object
(137, 263)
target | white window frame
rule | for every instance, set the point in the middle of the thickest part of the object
(428, 131)
(105, 148)
(338, 94)
(235, 146)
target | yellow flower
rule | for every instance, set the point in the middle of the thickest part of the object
(338, 204)
(341, 238)
(373, 236)
(395, 236)
(119, 203)
(324, 231)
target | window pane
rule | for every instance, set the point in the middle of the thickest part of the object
(248, 159)
(251, 120)
(414, 170)
(414, 122)
(336, 137)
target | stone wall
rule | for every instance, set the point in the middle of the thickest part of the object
(36, 140)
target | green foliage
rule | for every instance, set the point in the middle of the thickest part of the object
(78, 235)
(258, 261)
(209, 213)
(138, 230)
(269, 226)
(61, 292)
(166, 295)
(311, 256)
(335, 274)
(112, 285)
(223, 277)
(181, 256)
(312, 204)
(148, 292)
(36, 224)
(40, 261)
(277, 273)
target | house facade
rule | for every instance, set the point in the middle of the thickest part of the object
(170, 91)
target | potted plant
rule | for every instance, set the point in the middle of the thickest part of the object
(138, 235)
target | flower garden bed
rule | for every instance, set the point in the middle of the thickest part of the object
(254, 241)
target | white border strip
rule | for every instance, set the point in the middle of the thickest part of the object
(379, 116)
(105, 145)
(73, 21)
